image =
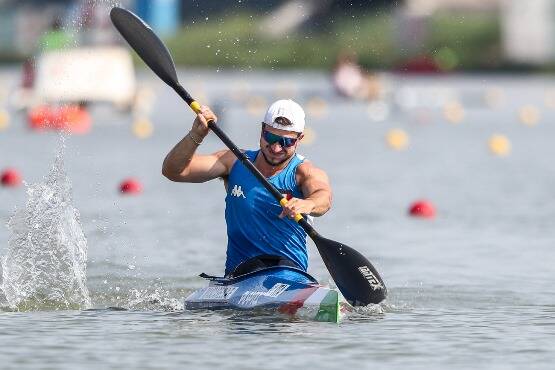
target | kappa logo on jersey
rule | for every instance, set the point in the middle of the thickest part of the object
(237, 191)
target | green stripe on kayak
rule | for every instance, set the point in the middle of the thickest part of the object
(329, 308)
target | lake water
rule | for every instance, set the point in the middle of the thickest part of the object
(472, 288)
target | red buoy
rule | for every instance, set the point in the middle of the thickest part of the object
(10, 178)
(422, 208)
(130, 186)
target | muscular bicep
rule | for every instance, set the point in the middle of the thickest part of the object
(204, 168)
(313, 180)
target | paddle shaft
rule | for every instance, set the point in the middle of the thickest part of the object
(195, 106)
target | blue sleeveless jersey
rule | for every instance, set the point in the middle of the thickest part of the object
(252, 216)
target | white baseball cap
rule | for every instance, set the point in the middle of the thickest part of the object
(288, 109)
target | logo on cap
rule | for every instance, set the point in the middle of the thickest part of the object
(287, 109)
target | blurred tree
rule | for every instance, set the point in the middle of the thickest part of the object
(200, 9)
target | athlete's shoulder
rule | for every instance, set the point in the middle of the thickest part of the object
(300, 157)
(307, 169)
(230, 159)
(250, 153)
(227, 158)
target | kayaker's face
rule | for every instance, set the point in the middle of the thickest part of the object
(278, 146)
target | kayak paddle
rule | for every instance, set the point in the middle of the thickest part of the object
(356, 278)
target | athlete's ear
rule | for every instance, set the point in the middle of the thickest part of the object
(300, 137)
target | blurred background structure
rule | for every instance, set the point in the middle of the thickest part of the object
(409, 35)
(68, 52)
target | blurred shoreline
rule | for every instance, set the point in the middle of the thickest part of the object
(384, 39)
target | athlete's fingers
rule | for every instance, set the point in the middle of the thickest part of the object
(288, 212)
(208, 114)
(205, 115)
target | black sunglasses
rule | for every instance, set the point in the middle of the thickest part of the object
(271, 138)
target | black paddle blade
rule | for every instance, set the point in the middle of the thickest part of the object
(145, 42)
(356, 278)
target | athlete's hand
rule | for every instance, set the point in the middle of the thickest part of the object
(296, 205)
(200, 126)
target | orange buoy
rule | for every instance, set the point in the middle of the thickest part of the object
(499, 145)
(4, 119)
(397, 139)
(71, 118)
(10, 178)
(130, 186)
(422, 208)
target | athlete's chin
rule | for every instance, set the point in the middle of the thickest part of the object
(274, 160)
(277, 160)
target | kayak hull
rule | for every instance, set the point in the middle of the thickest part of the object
(283, 289)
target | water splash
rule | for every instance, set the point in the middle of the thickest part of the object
(45, 263)
(153, 299)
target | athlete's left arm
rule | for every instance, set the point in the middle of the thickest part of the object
(316, 189)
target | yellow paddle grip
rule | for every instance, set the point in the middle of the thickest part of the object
(195, 106)
(298, 216)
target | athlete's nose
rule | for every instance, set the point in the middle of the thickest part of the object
(276, 147)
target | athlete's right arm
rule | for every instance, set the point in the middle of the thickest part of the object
(183, 165)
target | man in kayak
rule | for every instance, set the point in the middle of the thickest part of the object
(260, 231)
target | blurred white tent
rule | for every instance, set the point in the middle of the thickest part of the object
(529, 31)
(527, 27)
(428, 7)
(99, 74)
